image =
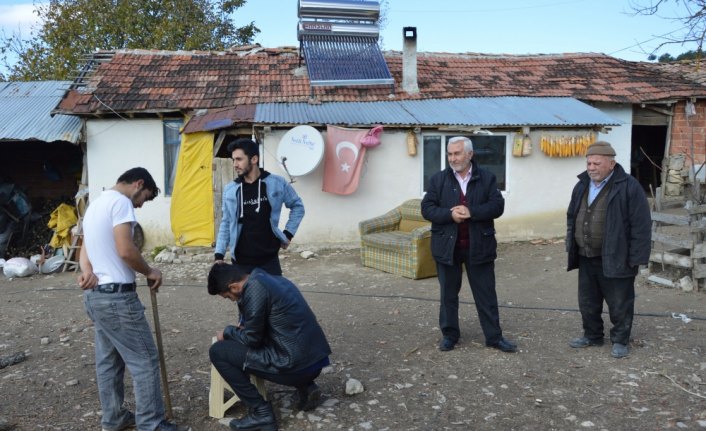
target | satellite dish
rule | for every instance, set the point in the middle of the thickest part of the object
(300, 150)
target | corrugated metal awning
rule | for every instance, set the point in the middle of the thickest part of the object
(25, 109)
(472, 111)
(335, 60)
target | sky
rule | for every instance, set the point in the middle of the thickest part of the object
(492, 27)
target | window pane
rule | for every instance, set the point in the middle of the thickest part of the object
(172, 142)
(489, 153)
(432, 157)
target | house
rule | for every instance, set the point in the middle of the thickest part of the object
(41, 153)
(41, 161)
(134, 102)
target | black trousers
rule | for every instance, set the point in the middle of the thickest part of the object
(481, 277)
(228, 356)
(618, 293)
(271, 266)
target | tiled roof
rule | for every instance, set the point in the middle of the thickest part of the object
(694, 70)
(159, 81)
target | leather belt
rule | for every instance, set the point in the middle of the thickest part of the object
(115, 287)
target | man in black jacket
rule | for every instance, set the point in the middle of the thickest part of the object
(608, 237)
(277, 338)
(461, 202)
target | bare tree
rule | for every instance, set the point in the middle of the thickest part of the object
(693, 19)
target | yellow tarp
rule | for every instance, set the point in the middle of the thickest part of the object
(192, 196)
(62, 219)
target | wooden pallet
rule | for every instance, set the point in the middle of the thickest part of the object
(678, 241)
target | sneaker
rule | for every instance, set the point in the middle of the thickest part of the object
(128, 423)
(171, 426)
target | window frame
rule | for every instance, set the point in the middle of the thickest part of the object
(445, 136)
(168, 125)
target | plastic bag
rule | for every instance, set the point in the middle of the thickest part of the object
(19, 267)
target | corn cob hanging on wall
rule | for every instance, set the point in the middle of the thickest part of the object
(566, 146)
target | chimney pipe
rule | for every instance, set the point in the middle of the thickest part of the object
(409, 60)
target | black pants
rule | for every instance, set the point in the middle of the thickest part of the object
(618, 293)
(271, 266)
(481, 277)
(228, 356)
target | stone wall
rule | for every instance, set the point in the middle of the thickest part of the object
(677, 172)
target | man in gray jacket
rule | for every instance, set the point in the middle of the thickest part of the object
(251, 213)
(608, 237)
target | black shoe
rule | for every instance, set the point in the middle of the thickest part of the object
(171, 426)
(504, 345)
(619, 350)
(309, 397)
(581, 342)
(447, 344)
(260, 418)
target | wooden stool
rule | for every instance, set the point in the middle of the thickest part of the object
(217, 406)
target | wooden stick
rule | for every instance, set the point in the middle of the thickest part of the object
(160, 349)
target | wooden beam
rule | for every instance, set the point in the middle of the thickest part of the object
(699, 271)
(699, 209)
(672, 240)
(671, 259)
(670, 218)
(697, 226)
(219, 142)
(660, 280)
(699, 251)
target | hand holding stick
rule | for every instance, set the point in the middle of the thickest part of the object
(160, 349)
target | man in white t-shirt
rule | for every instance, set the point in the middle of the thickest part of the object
(109, 260)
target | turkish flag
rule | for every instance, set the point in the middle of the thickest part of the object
(343, 159)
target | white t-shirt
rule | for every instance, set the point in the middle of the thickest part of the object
(109, 210)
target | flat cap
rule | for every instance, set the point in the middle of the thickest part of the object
(600, 148)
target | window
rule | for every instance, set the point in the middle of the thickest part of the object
(172, 142)
(489, 151)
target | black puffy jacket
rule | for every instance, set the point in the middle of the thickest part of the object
(485, 202)
(628, 226)
(279, 328)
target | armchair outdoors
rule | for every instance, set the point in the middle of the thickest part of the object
(398, 242)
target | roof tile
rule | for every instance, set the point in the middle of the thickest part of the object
(134, 80)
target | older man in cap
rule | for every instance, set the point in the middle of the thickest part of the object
(607, 238)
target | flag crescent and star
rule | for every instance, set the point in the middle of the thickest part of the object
(345, 151)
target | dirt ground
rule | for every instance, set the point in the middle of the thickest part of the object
(383, 331)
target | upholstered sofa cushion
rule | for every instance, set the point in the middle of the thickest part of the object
(395, 240)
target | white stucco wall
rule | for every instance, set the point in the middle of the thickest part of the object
(538, 187)
(113, 147)
(389, 178)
